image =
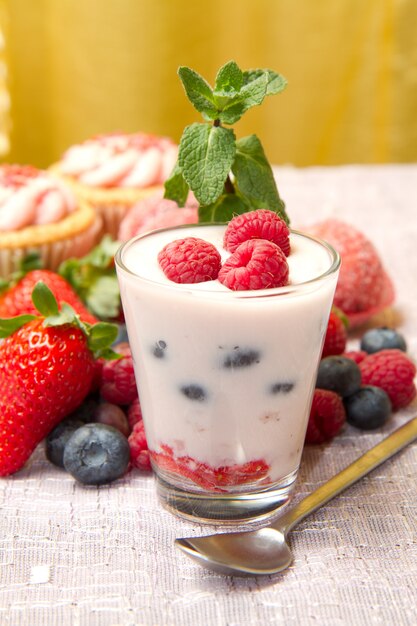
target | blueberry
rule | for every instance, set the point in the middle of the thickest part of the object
(96, 454)
(339, 374)
(194, 392)
(158, 349)
(57, 439)
(382, 338)
(241, 357)
(281, 387)
(368, 408)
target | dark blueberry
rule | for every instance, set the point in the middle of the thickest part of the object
(241, 357)
(57, 439)
(382, 338)
(282, 387)
(194, 392)
(368, 408)
(159, 348)
(96, 454)
(339, 374)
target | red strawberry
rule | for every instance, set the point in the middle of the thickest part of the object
(336, 335)
(363, 288)
(46, 369)
(17, 300)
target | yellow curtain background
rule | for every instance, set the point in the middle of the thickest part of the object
(81, 67)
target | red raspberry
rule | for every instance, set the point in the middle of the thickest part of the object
(208, 477)
(356, 355)
(190, 260)
(363, 288)
(134, 413)
(260, 224)
(139, 453)
(327, 416)
(394, 372)
(255, 264)
(118, 384)
(336, 336)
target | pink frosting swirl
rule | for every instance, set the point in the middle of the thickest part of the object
(118, 160)
(31, 197)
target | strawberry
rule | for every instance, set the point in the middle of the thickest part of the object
(17, 298)
(46, 370)
(336, 334)
(364, 288)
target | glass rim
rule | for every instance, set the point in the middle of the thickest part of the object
(229, 293)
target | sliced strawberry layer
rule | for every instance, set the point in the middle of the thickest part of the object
(206, 476)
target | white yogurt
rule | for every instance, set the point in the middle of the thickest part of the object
(226, 377)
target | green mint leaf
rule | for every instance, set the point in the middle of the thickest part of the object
(176, 188)
(229, 80)
(225, 207)
(44, 300)
(205, 156)
(199, 93)
(252, 94)
(254, 177)
(10, 325)
(275, 83)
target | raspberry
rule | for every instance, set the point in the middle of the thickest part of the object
(255, 264)
(260, 224)
(118, 385)
(139, 453)
(363, 288)
(134, 413)
(327, 416)
(336, 336)
(355, 355)
(208, 477)
(189, 260)
(394, 372)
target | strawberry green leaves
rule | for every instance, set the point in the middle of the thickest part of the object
(99, 336)
(226, 177)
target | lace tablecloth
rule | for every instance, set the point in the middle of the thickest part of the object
(74, 555)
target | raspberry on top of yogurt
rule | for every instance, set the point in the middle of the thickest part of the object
(120, 160)
(30, 197)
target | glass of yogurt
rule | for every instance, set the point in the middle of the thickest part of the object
(225, 378)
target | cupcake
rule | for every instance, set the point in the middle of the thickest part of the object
(39, 213)
(113, 172)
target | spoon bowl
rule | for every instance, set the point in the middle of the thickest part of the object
(262, 551)
(265, 551)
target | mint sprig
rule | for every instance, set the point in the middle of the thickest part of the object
(227, 177)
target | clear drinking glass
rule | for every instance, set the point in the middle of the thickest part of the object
(225, 378)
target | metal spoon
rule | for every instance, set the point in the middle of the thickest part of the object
(265, 551)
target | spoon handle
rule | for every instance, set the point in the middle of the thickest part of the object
(359, 468)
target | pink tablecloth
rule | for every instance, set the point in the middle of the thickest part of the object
(104, 556)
